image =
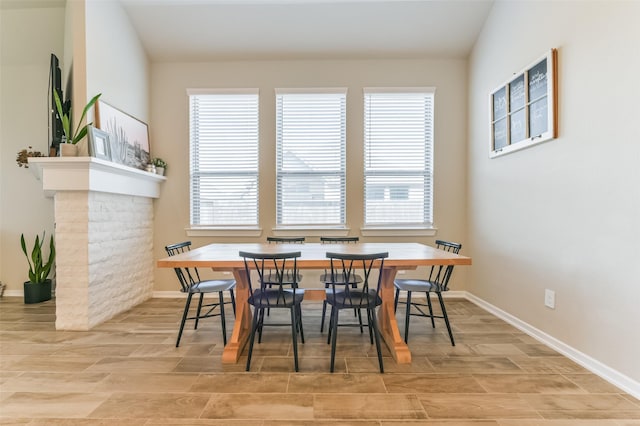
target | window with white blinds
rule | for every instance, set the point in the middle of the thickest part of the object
(310, 156)
(224, 157)
(398, 154)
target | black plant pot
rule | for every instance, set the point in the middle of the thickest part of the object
(36, 293)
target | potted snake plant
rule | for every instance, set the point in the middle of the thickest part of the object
(38, 288)
(71, 136)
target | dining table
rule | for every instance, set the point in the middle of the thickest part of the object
(402, 256)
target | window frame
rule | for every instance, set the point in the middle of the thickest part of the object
(423, 228)
(310, 228)
(199, 229)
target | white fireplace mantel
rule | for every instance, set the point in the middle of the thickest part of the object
(93, 174)
(103, 215)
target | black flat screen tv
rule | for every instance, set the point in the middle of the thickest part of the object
(55, 122)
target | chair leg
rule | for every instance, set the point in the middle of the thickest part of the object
(446, 318)
(407, 316)
(233, 302)
(395, 301)
(433, 322)
(334, 331)
(376, 333)
(184, 317)
(254, 326)
(195, 327)
(369, 320)
(222, 318)
(261, 323)
(294, 326)
(330, 329)
(299, 322)
(324, 312)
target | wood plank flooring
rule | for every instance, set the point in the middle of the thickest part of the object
(127, 371)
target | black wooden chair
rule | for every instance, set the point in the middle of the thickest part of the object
(190, 283)
(277, 293)
(326, 276)
(342, 295)
(436, 282)
(289, 279)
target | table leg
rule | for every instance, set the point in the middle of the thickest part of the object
(387, 319)
(242, 325)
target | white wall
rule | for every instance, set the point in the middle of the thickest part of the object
(106, 61)
(24, 59)
(117, 65)
(171, 135)
(563, 215)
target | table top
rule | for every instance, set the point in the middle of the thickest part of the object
(313, 255)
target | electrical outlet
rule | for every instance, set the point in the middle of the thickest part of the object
(550, 298)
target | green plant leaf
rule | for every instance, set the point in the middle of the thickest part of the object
(81, 132)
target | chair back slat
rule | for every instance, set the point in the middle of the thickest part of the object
(339, 240)
(343, 269)
(440, 274)
(186, 276)
(277, 276)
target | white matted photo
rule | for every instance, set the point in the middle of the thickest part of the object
(99, 144)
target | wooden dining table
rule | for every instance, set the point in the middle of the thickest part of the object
(402, 256)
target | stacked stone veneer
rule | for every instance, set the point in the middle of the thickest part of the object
(104, 265)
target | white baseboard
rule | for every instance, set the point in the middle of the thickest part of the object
(612, 376)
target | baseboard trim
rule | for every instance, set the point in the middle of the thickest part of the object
(612, 376)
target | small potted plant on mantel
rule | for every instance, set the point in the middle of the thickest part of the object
(71, 137)
(38, 288)
(161, 165)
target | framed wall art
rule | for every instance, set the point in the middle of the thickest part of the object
(99, 143)
(129, 137)
(524, 108)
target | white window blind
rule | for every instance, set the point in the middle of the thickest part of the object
(224, 157)
(398, 152)
(310, 156)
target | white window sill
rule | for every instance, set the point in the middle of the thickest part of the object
(398, 231)
(224, 231)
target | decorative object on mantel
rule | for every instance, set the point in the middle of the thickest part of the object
(99, 144)
(524, 109)
(129, 136)
(23, 156)
(161, 166)
(71, 136)
(38, 288)
(151, 168)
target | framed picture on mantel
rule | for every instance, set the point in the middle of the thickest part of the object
(129, 137)
(524, 108)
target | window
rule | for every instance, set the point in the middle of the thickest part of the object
(398, 147)
(310, 157)
(224, 157)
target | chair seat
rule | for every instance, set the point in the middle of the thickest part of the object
(275, 298)
(353, 299)
(212, 286)
(418, 285)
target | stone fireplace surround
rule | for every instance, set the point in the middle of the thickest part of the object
(104, 236)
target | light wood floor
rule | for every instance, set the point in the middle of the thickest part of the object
(127, 371)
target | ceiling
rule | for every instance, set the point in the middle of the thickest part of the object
(209, 30)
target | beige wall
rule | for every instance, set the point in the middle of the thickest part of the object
(563, 215)
(170, 135)
(24, 61)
